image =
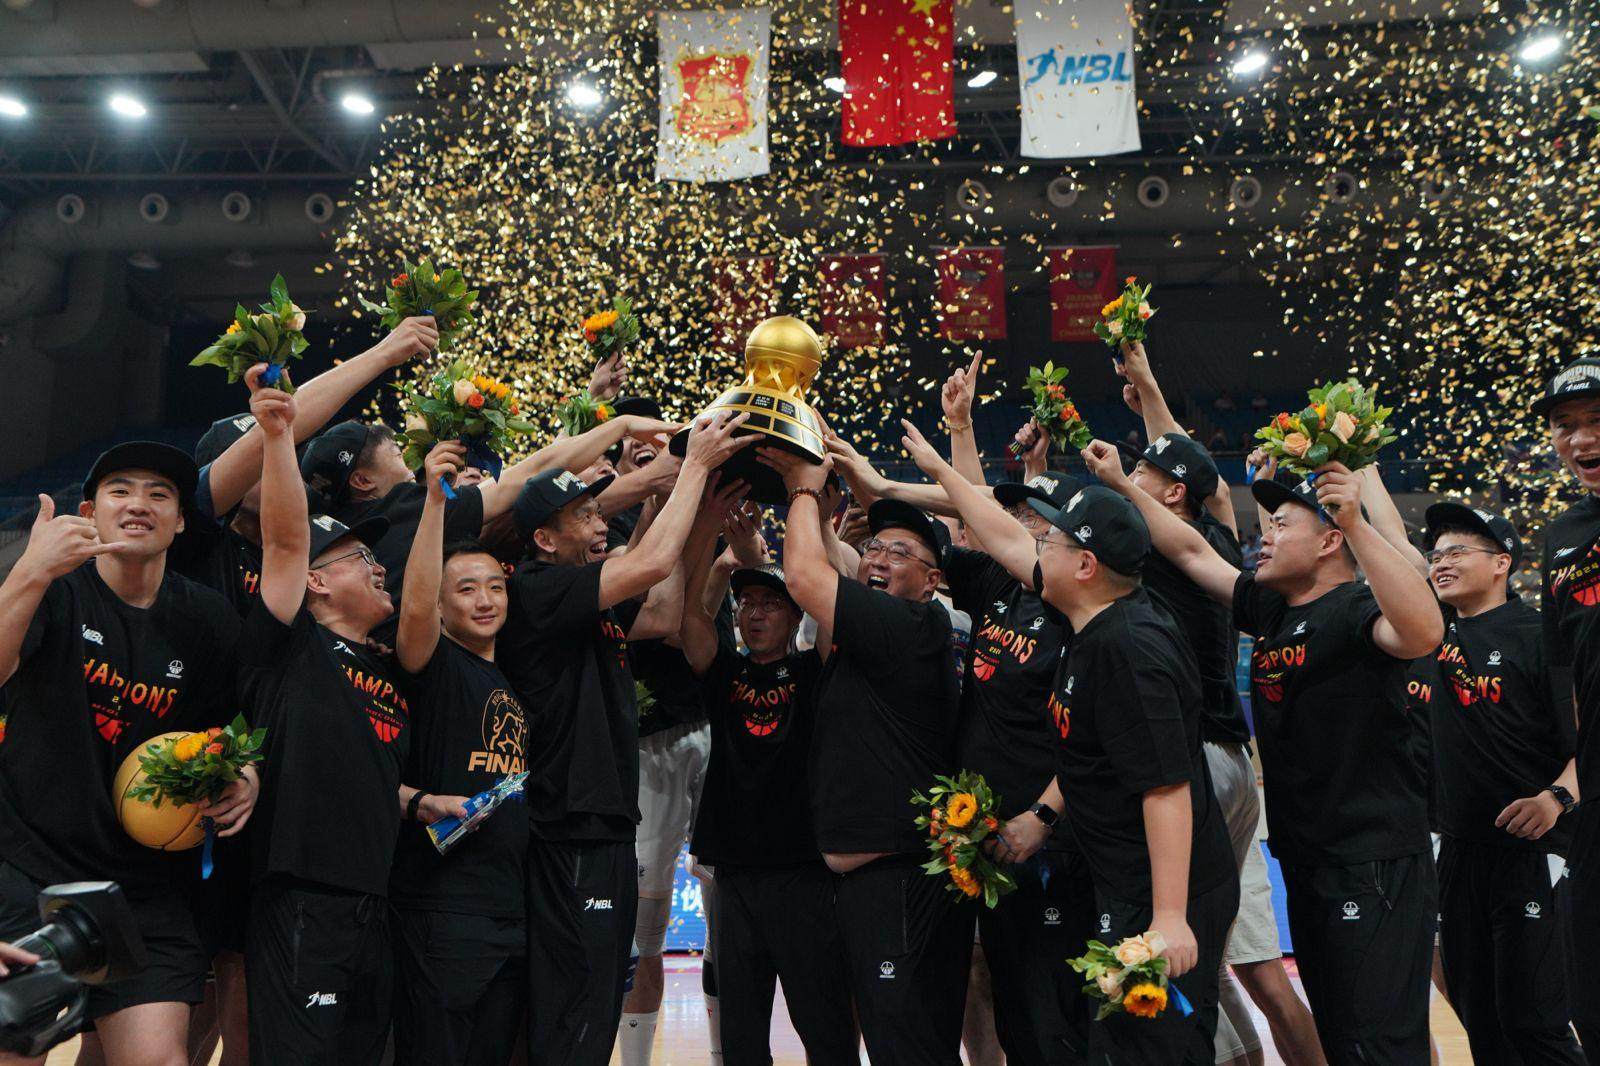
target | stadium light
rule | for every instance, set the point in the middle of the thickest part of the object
(980, 79)
(358, 103)
(127, 106)
(1249, 64)
(582, 94)
(11, 107)
(1540, 48)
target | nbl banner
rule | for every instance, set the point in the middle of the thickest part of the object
(1075, 67)
(713, 68)
(972, 294)
(746, 292)
(852, 300)
(1082, 281)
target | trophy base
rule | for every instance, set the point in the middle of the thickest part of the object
(766, 484)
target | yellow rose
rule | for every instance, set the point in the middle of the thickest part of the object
(1134, 951)
(1343, 426)
(464, 390)
(1297, 444)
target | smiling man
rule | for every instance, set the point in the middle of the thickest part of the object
(1571, 612)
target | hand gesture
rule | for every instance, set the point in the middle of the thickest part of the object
(742, 530)
(416, 337)
(1019, 839)
(1181, 952)
(608, 376)
(433, 808)
(441, 464)
(714, 442)
(922, 453)
(1530, 817)
(1132, 400)
(1105, 463)
(1264, 465)
(959, 391)
(1339, 494)
(1135, 364)
(232, 809)
(58, 545)
(273, 408)
(1034, 443)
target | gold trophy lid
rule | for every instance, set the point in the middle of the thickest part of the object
(785, 340)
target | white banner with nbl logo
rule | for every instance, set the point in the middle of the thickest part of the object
(1075, 66)
(713, 94)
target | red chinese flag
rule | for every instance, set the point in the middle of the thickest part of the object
(972, 294)
(1082, 281)
(746, 293)
(896, 58)
(852, 300)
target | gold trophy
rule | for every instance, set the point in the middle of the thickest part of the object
(781, 356)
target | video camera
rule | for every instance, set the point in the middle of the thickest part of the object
(89, 936)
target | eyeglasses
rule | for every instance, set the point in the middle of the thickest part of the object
(763, 607)
(1042, 539)
(898, 554)
(1455, 553)
(363, 551)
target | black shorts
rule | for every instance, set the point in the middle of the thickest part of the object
(176, 962)
(1363, 942)
(1040, 1012)
(1172, 1037)
(908, 946)
(319, 973)
(460, 987)
(1582, 901)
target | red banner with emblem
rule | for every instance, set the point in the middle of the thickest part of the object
(972, 294)
(896, 60)
(746, 292)
(1082, 281)
(852, 300)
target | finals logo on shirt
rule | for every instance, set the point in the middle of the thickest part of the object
(504, 728)
(111, 694)
(1580, 580)
(1270, 669)
(762, 709)
(386, 708)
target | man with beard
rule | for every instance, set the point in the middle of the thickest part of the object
(1501, 764)
(573, 612)
(1571, 614)
(885, 726)
(1346, 807)
(102, 648)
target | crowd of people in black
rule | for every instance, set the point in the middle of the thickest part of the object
(606, 617)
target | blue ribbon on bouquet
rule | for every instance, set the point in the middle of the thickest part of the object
(207, 861)
(270, 376)
(1311, 479)
(480, 455)
(1184, 1006)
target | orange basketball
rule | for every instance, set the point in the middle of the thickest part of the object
(169, 827)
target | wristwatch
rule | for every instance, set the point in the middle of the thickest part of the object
(1045, 813)
(1563, 797)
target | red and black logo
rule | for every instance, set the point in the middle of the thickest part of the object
(763, 709)
(111, 696)
(1270, 669)
(1580, 581)
(386, 708)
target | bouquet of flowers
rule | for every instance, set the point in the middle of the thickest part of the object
(608, 332)
(1342, 424)
(456, 404)
(197, 768)
(1123, 319)
(1130, 978)
(644, 700)
(423, 289)
(271, 336)
(1054, 411)
(961, 816)
(581, 412)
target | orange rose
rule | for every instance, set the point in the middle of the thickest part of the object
(991, 824)
(400, 280)
(214, 748)
(1283, 421)
(1131, 280)
(214, 732)
(1069, 413)
(475, 401)
(589, 336)
(513, 407)
(602, 413)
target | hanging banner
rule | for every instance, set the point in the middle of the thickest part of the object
(972, 294)
(896, 58)
(713, 68)
(852, 300)
(1075, 67)
(746, 292)
(1082, 281)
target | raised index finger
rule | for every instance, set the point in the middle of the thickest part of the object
(972, 371)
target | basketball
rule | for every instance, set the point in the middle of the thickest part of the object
(169, 827)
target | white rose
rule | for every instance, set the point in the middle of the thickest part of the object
(416, 424)
(1373, 433)
(1110, 983)
(464, 390)
(1114, 327)
(1156, 943)
(295, 319)
(1134, 951)
(1343, 426)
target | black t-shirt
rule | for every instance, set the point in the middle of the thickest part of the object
(337, 730)
(467, 732)
(1208, 626)
(463, 519)
(886, 720)
(1008, 729)
(568, 662)
(1571, 610)
(1497, 735)
(95, 681)
(754, 810)
(1131, 709)
(221, 560)
(1338, 744)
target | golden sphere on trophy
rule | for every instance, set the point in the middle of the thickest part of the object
(781, 356)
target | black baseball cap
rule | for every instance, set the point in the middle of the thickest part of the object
(1102, 521)
(1496, 527)
(1272, 494)
(896, 514)
(222, 434)
(637, 405)
(171, 463)
(1053, 488)
(1578, 379)
(546, 493)
(331, 457)
(325, 530)
(1183, 459)
(768, 577)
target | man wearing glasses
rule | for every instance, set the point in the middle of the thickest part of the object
(1502, 773)
(885, 726)
(318, 963)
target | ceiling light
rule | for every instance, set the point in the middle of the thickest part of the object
(582, 94)
(1249, 64)
(358, 103)
(127, 106)
(11, 107)
(836, 84)
(980, 79)
(1542, 47)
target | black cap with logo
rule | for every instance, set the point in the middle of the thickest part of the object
(1497, 528)
(546, 493)
(896, 514)
(1577, 380)
(174, 464)
(326, 530)
(1051, 487)
(331, 457)
(769, 576)
(1182, 458)
(223, 433)
(1272, 494)
(1101, 521)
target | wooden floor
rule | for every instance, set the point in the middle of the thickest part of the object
(681, 1041)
